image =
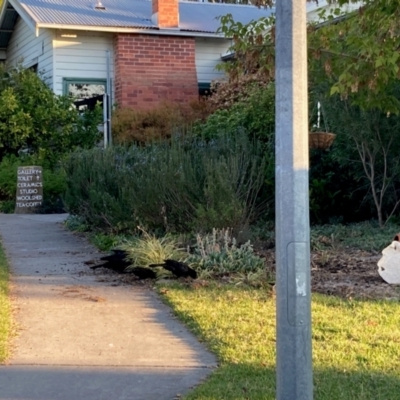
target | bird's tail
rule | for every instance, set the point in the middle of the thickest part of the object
(156, 265)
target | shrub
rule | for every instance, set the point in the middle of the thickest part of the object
(226, 93)
(148, 249)
(54, 184)
(178, 186)
(162, 122)
(219, 254)
(252, 115)
(8, 183)
(33, 118)
(76, 224)
(253, 112)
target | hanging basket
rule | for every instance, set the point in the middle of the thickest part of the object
(321, 140)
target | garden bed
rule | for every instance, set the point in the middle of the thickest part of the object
(348, 273)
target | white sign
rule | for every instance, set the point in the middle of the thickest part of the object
(29, 190)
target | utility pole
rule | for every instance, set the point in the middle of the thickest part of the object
(294, 356)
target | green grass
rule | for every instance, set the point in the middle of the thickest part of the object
(5, 309)
(356, 344)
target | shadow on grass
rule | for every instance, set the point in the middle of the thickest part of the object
(251, 382)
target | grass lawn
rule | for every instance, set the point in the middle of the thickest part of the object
(5, 311)
(356, 344)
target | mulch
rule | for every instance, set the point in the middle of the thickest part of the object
(347, 273)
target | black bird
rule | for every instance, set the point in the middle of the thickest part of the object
(143, 273)
(117, 261)
(179, 269)
(117, 254)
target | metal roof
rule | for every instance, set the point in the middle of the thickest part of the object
(202, 17)
(119, 14)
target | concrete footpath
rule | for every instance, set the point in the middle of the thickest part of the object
(82, 335)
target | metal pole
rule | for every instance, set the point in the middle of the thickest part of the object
(108, 103)
(110, 98)
(294, 362)
(105, 124)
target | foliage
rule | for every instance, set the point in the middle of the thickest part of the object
(105, 242)
(252, 114)
(33, 119)
(360, 53)
(218, 254)
(367, 145)
(54, 183)
(338, 186)
(357, 52)
(8, 184)
(252, 111)
(253, 48)
(249, 70)
(365, 235)
(76, 223)
(161, 122)
(355, 356)
(148, 249)
(5, 307)
(337, 191)
(226, 93)
(168, 186)
(360, 172)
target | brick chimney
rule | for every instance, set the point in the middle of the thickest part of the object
(165, 13)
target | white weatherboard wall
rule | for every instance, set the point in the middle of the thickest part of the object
(27, 49)
(208, 55)
(83, 56)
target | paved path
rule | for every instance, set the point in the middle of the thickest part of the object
(82, 336)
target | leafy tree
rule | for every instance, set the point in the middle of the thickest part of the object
(356, 56)
(357, 52)
(253, 48)
(360, 53)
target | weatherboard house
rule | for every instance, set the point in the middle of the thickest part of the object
(141, 51)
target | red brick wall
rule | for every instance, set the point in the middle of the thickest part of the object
(150, 69)
(167, 13)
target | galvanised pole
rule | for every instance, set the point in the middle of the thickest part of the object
(294, 362)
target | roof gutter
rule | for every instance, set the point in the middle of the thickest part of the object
(147, 31)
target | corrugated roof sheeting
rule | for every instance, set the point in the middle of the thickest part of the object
(134, 14)
(118, 13)
(202, 17)
(194, 16)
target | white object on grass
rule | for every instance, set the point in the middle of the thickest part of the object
(389, 264)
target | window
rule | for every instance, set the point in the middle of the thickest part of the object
(34, 68)
(86, 92)
(204, 89)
